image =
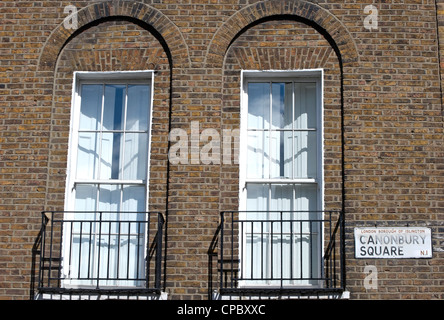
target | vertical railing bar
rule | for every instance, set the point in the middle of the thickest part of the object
(89, 250)
(109, 249)
(241, 253)
(138, 252)
(221, 248)
(301, 248)
(80, 248)
(232, 251)
(147, 255)
(147, 222)
(119, 227)
(251, 250)
(158, 262)
(50, 250)
(291, 248)
(262, 250)
(331, 258)
(325, 256)
(333, 252)
(320, 246)
(137, 224)
(342, 244)
(271, 250)
(329, 253)
(210, 271)
(325, 270)
(128, 251)
(99, 250)
(42, 250)
(59, 272)
(43, 253)
(335, 261)
(282, 248)
(159, 252)
(310, 239)
(327, 262)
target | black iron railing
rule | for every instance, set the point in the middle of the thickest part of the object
(279, 252)
(100, 253)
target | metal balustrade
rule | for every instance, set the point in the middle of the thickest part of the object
(277, 252)
(100, 253)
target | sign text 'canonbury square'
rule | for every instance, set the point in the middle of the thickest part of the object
(392, 243)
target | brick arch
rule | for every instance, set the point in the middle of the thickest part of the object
(137, 11)
(319, 18)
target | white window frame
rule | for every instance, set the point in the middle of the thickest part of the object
(86, 77)
(312, 75)
(93, 77)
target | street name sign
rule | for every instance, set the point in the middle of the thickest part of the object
(393, 243)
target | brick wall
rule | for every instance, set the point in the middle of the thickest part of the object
(394, 145)
(382, 97)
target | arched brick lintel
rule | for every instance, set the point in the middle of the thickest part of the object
(310, 13)
(136, 11)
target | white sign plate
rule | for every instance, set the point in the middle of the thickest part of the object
(393, 243)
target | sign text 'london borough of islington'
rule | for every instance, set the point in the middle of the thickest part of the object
(393, 243)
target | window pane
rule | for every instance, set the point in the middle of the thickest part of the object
(111, 151)
(114, 107)
(282, 105)
(258, 105)
(257, 207)
(87, 156)
(281, 199)
(289, 250)
(138, 106)
(81, 246)
(305, 154)
(281, 154)
(86, 199)
(305, 105)
(134, 199)
(90, 107)
(258, 165)
(133, 203)
(256, 257)
(279, 255)
(281, 203)
(257, 197)
(306, 198)
(109, 199)
(128, 257)
(136, 155)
